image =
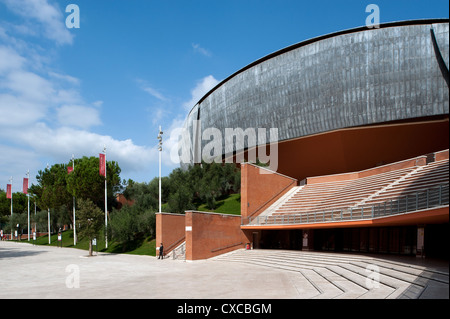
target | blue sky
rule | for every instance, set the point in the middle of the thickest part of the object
(136, 64)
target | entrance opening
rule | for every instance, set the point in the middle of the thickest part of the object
(395, 240)
(436, 240)
(385, 240)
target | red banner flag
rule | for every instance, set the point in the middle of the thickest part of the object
(8, 191)
(69, 169)
(25, 185)
(102, 159)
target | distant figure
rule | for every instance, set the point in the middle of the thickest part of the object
(161, 251)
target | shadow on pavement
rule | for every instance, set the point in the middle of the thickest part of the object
(15, 252)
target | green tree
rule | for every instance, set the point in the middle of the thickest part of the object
(91, 220)
(139, 220)
(181, 191)
(53, 185)
(86, 182)
(51, 194)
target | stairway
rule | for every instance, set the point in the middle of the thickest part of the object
(179, 252)
(344, 276)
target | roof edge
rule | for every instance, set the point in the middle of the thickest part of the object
(316, 39)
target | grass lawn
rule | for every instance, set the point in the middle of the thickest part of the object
(227, 205)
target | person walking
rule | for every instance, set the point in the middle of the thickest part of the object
(161, 251)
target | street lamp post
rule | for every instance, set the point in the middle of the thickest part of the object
(106, 204)
(160, 151)
(48, 218)
(74, 223)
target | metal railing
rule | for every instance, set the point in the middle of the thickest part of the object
(425, 199)
(179, 252)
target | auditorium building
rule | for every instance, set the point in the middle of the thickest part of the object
(362, 119)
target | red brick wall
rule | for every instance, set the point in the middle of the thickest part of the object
(211, 234)
(416, 161)
(439, 156)
(169, 231)
(260, 188)
(121, 201)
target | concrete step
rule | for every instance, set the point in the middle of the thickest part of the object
(351, 290)
(326, 288)
(305, 288)
(347, 276)
(376, 288)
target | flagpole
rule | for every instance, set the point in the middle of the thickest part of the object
(28, 196)
(106, 205)
(35, 224)
(48, 212)
(11, 180)
(48, 218)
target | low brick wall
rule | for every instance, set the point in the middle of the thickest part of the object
(169, 231)
(211, 234)
(260, 188)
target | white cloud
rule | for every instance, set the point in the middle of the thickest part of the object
(171, 143)
(43, 115)
(9, 60)
(29, 85)
(16, 111)
(17, 161)
(49, 17)
(150, 90)
(60, 143)
(202, 87)
(202, 51)
(97, 103)
(78, 116)
(64, 77)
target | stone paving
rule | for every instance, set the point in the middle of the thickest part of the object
(28, 271)
(328, 275)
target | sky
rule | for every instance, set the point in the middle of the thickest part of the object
(134, 65)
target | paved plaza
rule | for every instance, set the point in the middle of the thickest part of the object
(28, 271)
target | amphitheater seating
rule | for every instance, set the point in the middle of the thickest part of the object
(339, 198)
(433, 174)
(325, 196)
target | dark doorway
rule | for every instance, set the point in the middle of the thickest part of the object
(385, 240)
(436, 241)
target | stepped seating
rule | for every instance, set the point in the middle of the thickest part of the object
(347, 199)
(433, 174)
(337, 195)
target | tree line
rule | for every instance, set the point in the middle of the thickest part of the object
(55, 189)
(183, 189)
